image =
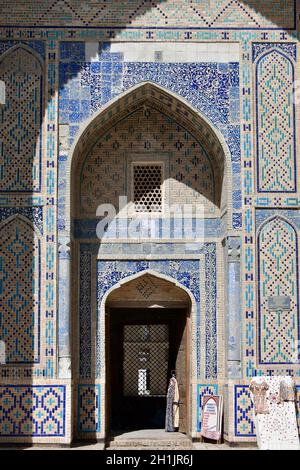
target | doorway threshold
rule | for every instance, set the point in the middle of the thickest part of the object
(155, 439)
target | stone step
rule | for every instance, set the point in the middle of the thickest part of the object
(151, 439)
(148, 448)
(140, 444)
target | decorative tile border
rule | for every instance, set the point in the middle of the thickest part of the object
(275, 68)
(198, 15)
(201, 390)
(37, 411)
(298, 404)
(86, 86)
(243, 406)
(110, 272)
(89, 420)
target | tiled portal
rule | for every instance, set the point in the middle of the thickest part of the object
(201, 94)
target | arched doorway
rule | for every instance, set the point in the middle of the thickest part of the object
(148, 326)
(146, 131)
(135, 104)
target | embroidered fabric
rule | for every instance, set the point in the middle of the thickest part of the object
(259, 392)
(277, 429)
(286, 391)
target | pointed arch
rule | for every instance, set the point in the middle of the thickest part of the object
(127, 279)
(20, 290)
(22, 218)
(151, 272)
(21, 117)
(188, 303)
(278, 280)
(26, 48)
(166, 102)
(275, 123)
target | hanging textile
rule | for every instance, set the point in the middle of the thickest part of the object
(259, 391)
(275, 413)
(287, 390)
(172, 409)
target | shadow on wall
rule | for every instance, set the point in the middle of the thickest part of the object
(28, 239)
(148, 13)
(153, 161)
(28, 244)
(134, 132)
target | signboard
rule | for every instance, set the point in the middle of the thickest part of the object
(212, 410)
(279, 302)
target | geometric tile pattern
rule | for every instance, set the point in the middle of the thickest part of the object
(277, 276)
(275, 122)
(186, 272)
(147, 191)
(84, 323)
(40, 210)
(190, 173)
(202, 390)
(210, 88)
(202, 14)
(20, 291)
(37, 46)
(211, 332)
(20, 121)
(89, 408)
(32, 410)
(243, 409)
(111, 272)
(84, 87)
(288, 48)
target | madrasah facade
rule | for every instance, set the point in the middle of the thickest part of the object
(149, 212)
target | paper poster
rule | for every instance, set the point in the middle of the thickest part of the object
(212, 410)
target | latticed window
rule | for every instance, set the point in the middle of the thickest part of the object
(146, 355)
(147, 187)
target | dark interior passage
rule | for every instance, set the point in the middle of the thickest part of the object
(144, 346)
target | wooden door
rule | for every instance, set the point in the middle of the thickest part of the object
(178, 357)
